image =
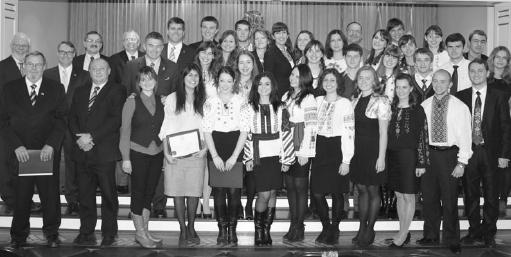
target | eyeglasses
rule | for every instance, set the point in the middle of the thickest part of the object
(97, 41)
(68, 53)
(20, 46)
(30, 65)
(132, 40)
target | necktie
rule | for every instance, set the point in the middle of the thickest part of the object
(20, 64)
(424, 86)
(93, 97)
(477, 134)
(33, 94)
(132, 57)
(91, 58)
(171, 53)
(152, 66)
(454, 79)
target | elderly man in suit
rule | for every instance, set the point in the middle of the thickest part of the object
(33, 117)
(95, 121)
(71, 77)
(491, 144)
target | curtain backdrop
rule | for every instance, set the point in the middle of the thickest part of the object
(111, 18)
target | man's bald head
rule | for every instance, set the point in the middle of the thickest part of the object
(441, 82)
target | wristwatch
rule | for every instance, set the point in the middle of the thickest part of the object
(461, 164)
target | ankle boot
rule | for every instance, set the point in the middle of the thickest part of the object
(140, 236)
(333, 234)
(267, 225)
(232, 238)
(146, 215)
(298, 233)
(259, 226)
(291, 232)
(321, 239)
(222, 231)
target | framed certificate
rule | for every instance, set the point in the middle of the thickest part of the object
(184, 144)
(34, 166)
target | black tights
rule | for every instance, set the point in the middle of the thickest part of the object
(322, 206)
(297, 189)
(251, 189)
(369, 205)
(191, 208)
(226, 210)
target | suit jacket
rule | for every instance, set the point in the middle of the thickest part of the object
(9, 71)
(118, 62)
(496, 124)
(276, 63)
(103, 122)
(167, 76)
(33, 126)
(185, 56)
(78, 63)
(78, 77)
(419, 93)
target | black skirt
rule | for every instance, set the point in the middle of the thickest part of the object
(268, 174)
(401, 170)
(325, 177)
(225, 143)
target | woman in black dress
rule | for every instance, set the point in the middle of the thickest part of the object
(268, 150)
(334, 149)
(372, 115)
(407, 154)
(262, 40)
(278, 59)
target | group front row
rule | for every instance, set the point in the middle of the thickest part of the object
(306, 132)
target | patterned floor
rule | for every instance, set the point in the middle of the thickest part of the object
(126, 247)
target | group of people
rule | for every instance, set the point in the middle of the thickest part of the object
(311, 117)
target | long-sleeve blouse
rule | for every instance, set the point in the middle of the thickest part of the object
(185, 120)
(271, 132)
(225, 117)
(305, 113)
(408, 129)
(337, 119)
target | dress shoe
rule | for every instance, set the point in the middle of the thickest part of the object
(53, 241)
(35, 207)
(108, 241)
(123, 190)
(490, 242)
(471, 238)
(72, 209)
(427, 241)
(83, 239)
(456, 248)
(18, 244)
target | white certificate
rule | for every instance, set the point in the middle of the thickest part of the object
(269, 148)
(184, 143)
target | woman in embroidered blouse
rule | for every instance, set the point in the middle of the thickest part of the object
(277, 59)
(262, 39)
(184, 176)
(314, 52)
(142, 156)
(433, 41)
(380, 40)
(225, 131)
(388, 71)
(228, 46)
(334, 149)
(268, 151)
(408, 46)
(372, 115)
(407, 153)
(335, 43)
(205, 59)
(301, 106)
(303, 38)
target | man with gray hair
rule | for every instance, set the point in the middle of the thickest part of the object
(130, 51)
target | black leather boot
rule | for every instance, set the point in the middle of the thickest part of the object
(321, 239)
(232, 238)
(259, 226)
(267, 225)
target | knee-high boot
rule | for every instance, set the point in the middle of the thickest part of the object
(259, 226)
(267, 225)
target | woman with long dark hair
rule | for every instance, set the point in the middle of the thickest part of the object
(433, 41)
(184, 176)
(334, 149)
(268, 151)
(335, 43)
(302, 39)
(301, 106)
(142, 156)
(225, 130)
(380, 40)
(314, 52)
(372, 115)
(408, 46)
(228, 46)
(407, 153)
(278, 58)
(262, 40)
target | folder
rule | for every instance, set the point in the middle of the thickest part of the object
(34, 166)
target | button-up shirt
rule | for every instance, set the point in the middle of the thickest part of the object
(482, 95)
(65, 75)
(463, 79)
(177, 51)
(29, 85)
(156, 64)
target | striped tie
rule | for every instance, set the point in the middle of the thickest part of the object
(93, 97)
(33, 94)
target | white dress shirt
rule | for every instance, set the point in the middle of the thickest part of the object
(418, 79)
(94, 86)
(131, 55)
(463, 79)
(440, 59)
(156, 64)
(86, 61)
(177, 51)
(29, 84)
(459, 126)
(65, 75)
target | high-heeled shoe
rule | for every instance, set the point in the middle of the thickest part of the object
(367, 239)
(407, 241)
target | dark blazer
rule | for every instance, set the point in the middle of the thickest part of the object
(185, 56)
(33, 126)
(9, 71)
(196, 45)
(103, 122)
(118, 62)
(167, 76)
(419, 93)
(276, 63)
(260, 66)
(496, 124)
(78, 63)
(78, 77)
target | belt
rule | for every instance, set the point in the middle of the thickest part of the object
(443, 148)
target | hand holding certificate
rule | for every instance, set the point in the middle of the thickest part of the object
(184, 144)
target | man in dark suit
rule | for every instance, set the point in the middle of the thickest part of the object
(93, 44)
(491, 145)
(94, 121)
(209, 28)
(175, 50)
(476, 45)
(71, 77)
(423, 58)
(33, 117)
(131, 44)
